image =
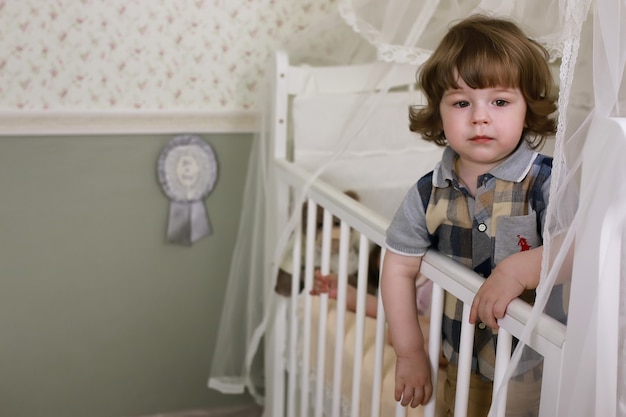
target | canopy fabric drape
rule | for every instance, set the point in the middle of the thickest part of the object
(587, 43)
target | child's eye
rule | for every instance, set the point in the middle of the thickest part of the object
(500, 102)
(461, 103)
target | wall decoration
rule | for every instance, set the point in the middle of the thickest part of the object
(187, 171)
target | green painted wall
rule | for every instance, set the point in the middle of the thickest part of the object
(99, 315)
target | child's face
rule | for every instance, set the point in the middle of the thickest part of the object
(485, 125)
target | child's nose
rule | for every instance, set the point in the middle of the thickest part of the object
(480, 115)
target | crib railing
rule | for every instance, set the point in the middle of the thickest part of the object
(299, 390)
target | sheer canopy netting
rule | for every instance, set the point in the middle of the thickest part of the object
(587, 43)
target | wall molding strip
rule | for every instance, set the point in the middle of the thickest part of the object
(54, 122)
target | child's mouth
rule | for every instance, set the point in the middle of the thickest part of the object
(481, 139)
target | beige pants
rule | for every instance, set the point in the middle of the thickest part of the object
(524, 393)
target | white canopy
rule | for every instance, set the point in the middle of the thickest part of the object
(587, 42)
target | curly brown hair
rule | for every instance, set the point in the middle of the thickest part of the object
(487, 52)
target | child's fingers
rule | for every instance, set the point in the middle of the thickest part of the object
(421, 395)
(408, 397)
(486, 314)
(332, 283)
(474, 310)
(418, 396)
(325, 284)
(486, 311)
(398, 392)
(320, 285)
(499, 309)
(428, 392)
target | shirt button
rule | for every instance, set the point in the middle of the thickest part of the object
(482, 227)
(482, 326)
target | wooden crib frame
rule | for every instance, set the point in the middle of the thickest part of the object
(289, 389)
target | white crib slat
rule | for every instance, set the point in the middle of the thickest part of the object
(360, 324)
(378, 361)
(378, 353)
(323, 316)
(500, 388)
(552, 372)
(326, 242)
(344, 242)
(311, 227)
(276, 347)
(293, 322)
(321, 356)
(465, 364)
(399, 410)
(434, 345)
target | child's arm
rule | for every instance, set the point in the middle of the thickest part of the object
(514, 274)
(328, 284)
(413, 382)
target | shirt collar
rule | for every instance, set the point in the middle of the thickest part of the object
(514, 168)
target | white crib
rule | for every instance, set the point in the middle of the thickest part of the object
(320, 359)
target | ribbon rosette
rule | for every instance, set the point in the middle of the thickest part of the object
(187, 170)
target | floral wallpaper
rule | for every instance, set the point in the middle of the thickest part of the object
(143, 54)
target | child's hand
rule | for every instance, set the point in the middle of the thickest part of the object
(413, 383)
(507, 281)
(324, 284)
(493, 297)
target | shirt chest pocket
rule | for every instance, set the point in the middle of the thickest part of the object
(515, 234)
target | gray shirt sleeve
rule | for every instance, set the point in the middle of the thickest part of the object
(407, 234)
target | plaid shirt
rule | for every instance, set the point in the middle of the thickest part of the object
(506, 216)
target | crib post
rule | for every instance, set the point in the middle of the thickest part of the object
(274, 358)
(551, 383)
(276, 341)
(280, 105)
